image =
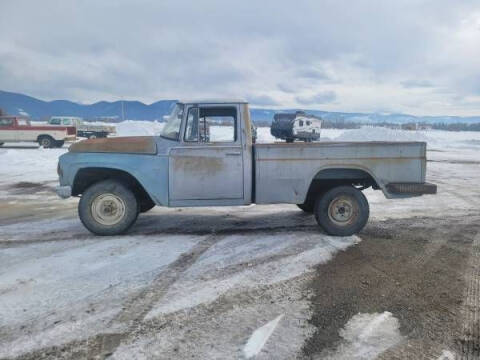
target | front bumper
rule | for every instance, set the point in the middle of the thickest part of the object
(64, 191)
(414, 189)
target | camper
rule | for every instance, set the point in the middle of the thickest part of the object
(299, 125)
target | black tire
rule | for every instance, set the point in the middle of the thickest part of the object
(342, 211)
(146, 205)
(59, 143)
(46, 141)
(109, 189)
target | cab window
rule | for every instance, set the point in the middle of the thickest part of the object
(211, 124)
(6, 122)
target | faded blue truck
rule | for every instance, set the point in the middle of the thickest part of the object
(205, 157)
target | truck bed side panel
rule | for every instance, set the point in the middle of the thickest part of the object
(284, 172)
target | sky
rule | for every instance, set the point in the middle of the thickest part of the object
(420, 57)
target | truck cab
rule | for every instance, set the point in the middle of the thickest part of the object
(205, 156)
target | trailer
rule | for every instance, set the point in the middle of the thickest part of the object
(298, 125)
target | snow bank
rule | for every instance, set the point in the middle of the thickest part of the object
(32, 165)
(368, 133)
(139, 128)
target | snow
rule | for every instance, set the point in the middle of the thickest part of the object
(447, 355)
(365, 336)
(55, 279)
(260, 337)
(211, 276)
(32, 165)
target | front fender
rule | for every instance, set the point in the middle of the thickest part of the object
(151, 171)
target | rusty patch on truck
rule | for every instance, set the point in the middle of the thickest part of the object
(198, 164)
(127, 144)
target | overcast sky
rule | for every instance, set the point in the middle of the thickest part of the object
(413, 56)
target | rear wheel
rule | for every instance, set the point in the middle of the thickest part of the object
(46, 141)
(342, 211)
(108, 208)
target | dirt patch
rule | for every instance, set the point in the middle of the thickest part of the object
(413, 268)
(26, 187)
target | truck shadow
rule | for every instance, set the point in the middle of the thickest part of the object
(192, 221)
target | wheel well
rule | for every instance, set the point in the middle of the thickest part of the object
(44, 135)
(88, 176)
(328, 178)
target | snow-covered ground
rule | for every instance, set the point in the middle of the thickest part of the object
(238, 274)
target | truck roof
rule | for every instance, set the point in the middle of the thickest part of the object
(213, 101)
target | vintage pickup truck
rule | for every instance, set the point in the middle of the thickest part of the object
(118, 178)
(19, 129)
(85, 130)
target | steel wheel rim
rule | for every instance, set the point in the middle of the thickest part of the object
(343, 210)
(45, 142)
(108, 209)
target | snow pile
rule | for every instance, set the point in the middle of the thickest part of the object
(366, 336)
(32, 165)
(139, 128)
(367, 133)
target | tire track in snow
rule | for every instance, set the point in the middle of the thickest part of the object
(134, 310)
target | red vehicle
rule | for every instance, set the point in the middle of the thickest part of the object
(19, 129)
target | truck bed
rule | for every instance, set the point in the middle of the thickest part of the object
(283, 172)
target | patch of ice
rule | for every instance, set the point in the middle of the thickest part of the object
(260, 337)
(365, 336)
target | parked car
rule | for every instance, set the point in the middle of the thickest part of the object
(298, 125)
(118, 178)
(83, 129)
(19, 129)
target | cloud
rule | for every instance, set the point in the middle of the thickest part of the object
(368, 52)
(323, 97)
(262, 100)
(417, 84)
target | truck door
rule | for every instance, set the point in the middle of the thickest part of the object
(209, 164)
(7, 129)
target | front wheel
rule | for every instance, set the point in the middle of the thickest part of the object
(342, 211)
(46, 141)
(108, 208)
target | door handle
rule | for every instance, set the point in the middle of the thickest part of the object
(236, 153)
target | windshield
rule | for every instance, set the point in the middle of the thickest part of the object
(172, 127)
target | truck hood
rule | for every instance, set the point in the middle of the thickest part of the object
(127, 144)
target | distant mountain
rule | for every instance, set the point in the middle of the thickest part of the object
(19, 104)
